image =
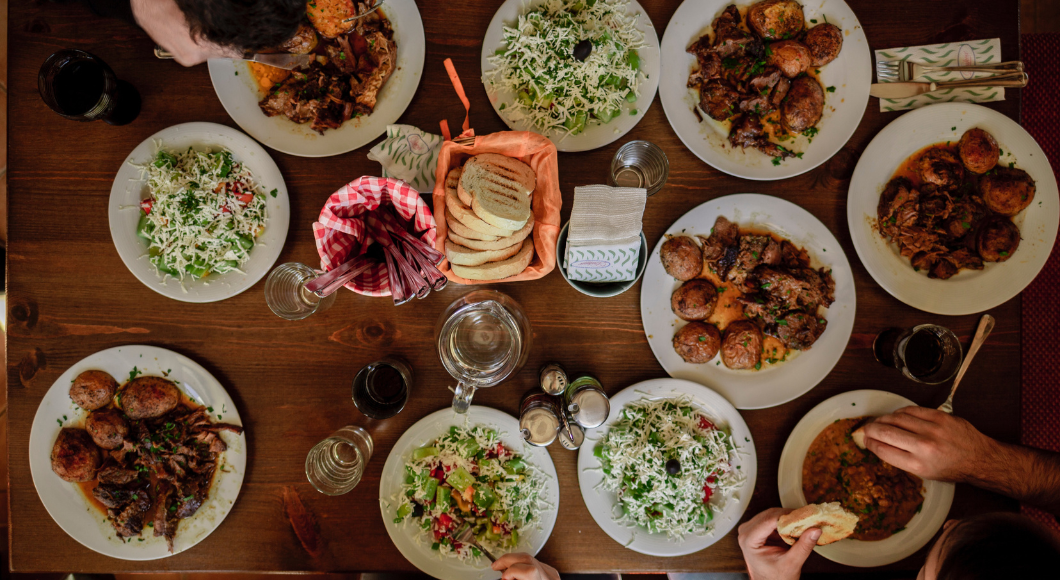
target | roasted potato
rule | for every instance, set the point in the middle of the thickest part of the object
(790, 56)
(824, 41)
(979, 151)
(803, 106)
(93, 389)
(996, 239)
(1007, 191)
(776, 19)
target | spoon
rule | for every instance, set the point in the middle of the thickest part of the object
(986, 324)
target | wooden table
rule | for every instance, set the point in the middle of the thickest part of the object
(70, 296)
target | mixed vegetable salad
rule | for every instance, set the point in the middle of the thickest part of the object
(469, 477)
(670, 466)
(203, 214)
(569, 63)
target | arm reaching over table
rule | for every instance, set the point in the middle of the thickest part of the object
(523, 566)
(773, 560)
(936, 445)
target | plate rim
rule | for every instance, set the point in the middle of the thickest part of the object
(440, 419)
(233, 417)
(564, 143)
(667, 387)
(786, 208)
(856, 225)
(839, 402)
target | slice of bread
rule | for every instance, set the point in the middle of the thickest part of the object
(499, 270)
(502, 209)
(859, 437)
(832, 519)
(506, 171)
(500, 189)
(464, 256)
(466, 216)
(456, 228)
(453, 180)
(497, 243)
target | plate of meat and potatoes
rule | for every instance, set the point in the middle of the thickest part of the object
(953, 208)
(765, 90)
(137, 452)
(751, 296)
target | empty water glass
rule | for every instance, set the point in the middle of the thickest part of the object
(335, 465)
(286, 294)
(639, 164)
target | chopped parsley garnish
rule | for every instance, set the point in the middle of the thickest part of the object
(830, 89)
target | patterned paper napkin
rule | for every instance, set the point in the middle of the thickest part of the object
(949, 54)
(408, 154)
(603, 240)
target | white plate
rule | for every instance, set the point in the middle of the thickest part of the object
(129, 189)
(970, 291)
(595, 135)
(601, 503)
(65, 501)
(240, 96)
(427, 430)
(850, 74)
(938, 496)
(775, 384)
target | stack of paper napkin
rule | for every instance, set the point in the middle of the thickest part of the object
(603, 240)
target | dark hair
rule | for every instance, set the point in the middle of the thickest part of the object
(244, 24)
(999, 545)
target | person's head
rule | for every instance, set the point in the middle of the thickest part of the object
(244, 24)
(991, 546)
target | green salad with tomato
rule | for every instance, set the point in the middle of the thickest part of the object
(469, 477)
(203, 213)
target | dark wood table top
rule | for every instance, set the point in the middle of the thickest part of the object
(70, 296)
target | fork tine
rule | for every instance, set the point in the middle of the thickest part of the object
(887, 70)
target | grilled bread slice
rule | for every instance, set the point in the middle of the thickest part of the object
(499, 270)
(464, 256)
(452, 179)
(834, 521)
(466, 216)
(500, 189)
(458, 229)
(496, 244)
(505, 170)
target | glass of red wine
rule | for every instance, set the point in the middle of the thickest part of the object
(80, 86)
(381, 389)
(928, 353)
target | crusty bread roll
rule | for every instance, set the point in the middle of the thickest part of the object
(499, 188)
(466, 216)
(499, 270)
(465, 256)
(497, 243)
(458, 229)
(831, 518)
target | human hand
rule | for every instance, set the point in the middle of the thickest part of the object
(164, 22)
(773, 561)
(930, 444)
(523, 566)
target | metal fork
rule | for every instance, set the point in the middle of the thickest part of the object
(907, 70)
(465, 536)
(377, 4)
(986, 324)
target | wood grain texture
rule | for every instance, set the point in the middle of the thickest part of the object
(70, 296)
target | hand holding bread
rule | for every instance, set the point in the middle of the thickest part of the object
(767, 558)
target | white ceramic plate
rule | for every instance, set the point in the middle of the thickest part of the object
(938, 496)
(601, 503)
(850, 74)
(774, 384)
(970, 291)
(65, 501)
(595, 135)
(129, 189)
(427, 430)
(240, 96)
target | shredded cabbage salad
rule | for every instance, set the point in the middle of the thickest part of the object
(553, 89)
(670, 465)
(203, 214)
(469, 476)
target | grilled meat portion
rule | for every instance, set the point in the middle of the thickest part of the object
(939, 167)
(723, 235)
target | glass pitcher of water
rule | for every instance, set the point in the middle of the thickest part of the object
(483, 338)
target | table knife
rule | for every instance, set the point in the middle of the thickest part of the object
(279, 60)
(906, 90)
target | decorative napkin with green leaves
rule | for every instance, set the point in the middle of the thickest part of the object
(603, 238)
(949, 54)
(409, 154)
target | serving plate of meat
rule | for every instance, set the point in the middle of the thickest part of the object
(898, 513)
(765, 90)
(953, 208)
(137, 452)
(751, 296)
(363, 77)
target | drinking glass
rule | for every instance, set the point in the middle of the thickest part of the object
(80, 86)
(483, 338)
(287, 296)
(335, 465)
(928, 353)
(381, 389)
(639, 164)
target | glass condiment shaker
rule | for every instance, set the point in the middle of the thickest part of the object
(553, 379)
(539, 419)
(587, 402)
(576, 438)
(483, 338)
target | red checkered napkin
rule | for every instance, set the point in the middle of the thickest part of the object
(340, 232)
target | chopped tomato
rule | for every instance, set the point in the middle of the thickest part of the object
(146, 205)
(706, 425)
(244, 198)
(707, 492)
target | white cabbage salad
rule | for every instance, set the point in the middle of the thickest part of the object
(203, 214)
(553, 89)
(670, 466)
